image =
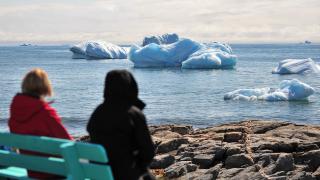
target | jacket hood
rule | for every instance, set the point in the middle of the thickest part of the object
(121, 88)
(24, 107)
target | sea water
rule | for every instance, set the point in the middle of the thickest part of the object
(172, 95)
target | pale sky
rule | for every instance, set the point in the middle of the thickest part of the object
(128, 21)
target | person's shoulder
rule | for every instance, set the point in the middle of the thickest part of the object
(135, 111)
(49, 110)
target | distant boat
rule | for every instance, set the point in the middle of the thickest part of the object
(307, 42)
(24, 44)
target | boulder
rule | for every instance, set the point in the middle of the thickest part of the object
(238, 161)
(179, 169)
(284, 163)
(171, 145)
(232, 137)
(162, 161)
(203, 160)
(182, 129)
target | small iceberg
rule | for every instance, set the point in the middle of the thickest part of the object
(98, 50)
(297, 66)
(185, 53)
(289, 90)
(162, 39)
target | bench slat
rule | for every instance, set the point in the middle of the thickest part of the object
(52, 146)
(36, 163)
(14, 172)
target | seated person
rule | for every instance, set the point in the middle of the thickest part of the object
(30, 114)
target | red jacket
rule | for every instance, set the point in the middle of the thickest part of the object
(33, 116)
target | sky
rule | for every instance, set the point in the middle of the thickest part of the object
(128, 21)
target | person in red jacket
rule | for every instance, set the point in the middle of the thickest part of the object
(30, 114)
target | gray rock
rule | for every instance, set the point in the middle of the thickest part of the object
(191, 167)
(232, 137)
(307, 147)
(228, 173)
(205, 177)
(186, 159)
(162, 161)
(233, 150)
(312, 158)
(317, 173)
(265, 160)
(179, 169)
(203, 160)
(303, 176)
(182, 129)
(171, 145)
(268, 146)
(263, 128)
(287, 147)
(187, 154)
(250, 173)
(214, 171)
(284, 163)
(219, 152)
(238, 161)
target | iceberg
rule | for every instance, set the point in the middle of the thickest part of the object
(154, 55)
(289, 90)
(297, 66)
(184, 53)
(162, 39)
(98, 50)
(210, 58)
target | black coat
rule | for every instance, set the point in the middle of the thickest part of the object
(120, 126)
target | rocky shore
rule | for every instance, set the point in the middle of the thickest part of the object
(253, 149)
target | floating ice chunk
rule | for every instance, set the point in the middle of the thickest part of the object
(162, 39)
(297, 66)
(209, 58)
(186, 53)
(98, 50)
(222, 46)
(154, 55)
(289, 90)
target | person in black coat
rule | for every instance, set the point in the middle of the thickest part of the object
(120, 126)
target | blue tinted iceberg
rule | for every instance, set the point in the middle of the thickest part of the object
(162, 39)
(98, 50)
(211, 58)
(289, 90)
(154, 55)
(184, 53)
(297, 66)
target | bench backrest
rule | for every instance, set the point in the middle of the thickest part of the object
(75, 160)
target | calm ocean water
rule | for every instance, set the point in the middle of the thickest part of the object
(172, 95)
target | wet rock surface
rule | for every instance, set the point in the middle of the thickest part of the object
(254, 149)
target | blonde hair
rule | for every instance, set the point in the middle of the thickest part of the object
(36, 82)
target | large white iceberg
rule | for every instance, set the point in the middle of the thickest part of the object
(162, 39)
(98, 50)
(289, 90)
(185, 53)
(297, 66)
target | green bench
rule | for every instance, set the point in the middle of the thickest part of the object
(74, 160)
